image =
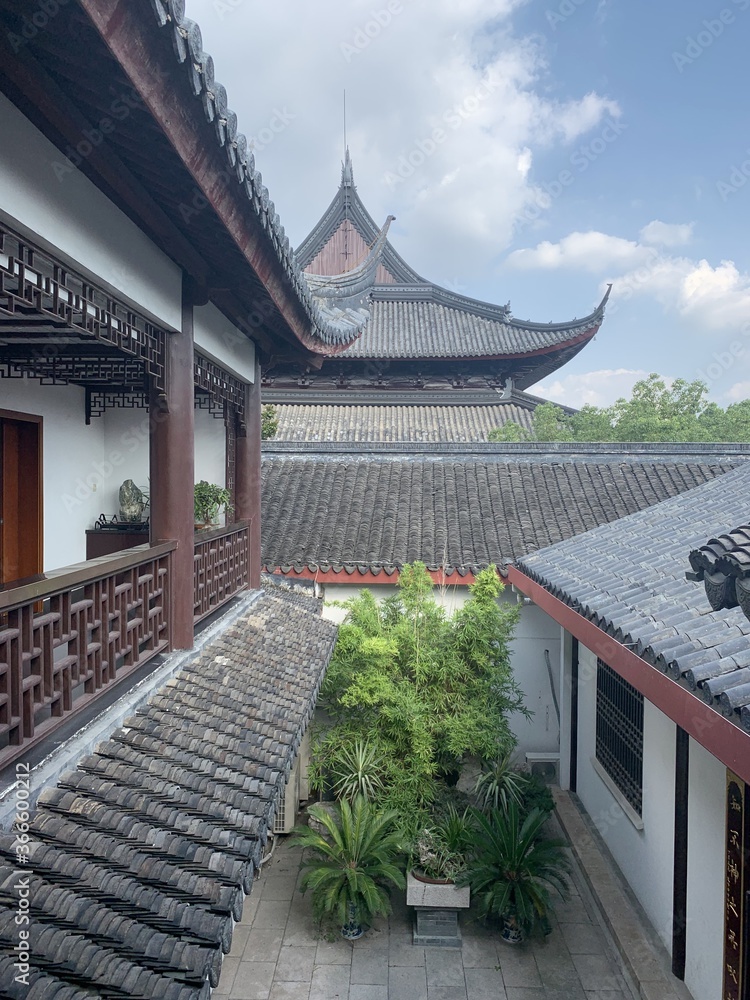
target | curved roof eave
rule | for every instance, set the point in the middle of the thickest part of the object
(321, 330)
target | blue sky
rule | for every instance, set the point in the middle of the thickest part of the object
(530, 151)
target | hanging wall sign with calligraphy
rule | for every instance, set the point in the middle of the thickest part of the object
(733, 894)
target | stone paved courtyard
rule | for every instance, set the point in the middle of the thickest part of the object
(276, 954)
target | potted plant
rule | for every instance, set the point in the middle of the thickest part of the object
(352, 863)
(439, 854)
(208, 501)
(512, 870)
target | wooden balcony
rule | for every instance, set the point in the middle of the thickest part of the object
(66, 637)
(221, 566)
(69, 635)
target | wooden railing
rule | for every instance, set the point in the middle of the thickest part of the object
(221, 566)
(69, 634)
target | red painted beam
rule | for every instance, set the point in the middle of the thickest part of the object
(720, 736)
(129, 30)
(358, 579)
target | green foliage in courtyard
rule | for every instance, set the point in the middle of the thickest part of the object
(653, 413)
(352, 860)
(418, 690)
(269, 421)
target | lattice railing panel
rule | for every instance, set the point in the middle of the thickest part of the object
(58, 651)
(221, 566)
(33, 283)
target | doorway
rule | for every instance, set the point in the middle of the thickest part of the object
(20, 496)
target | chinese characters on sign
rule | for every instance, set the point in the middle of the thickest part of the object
(733, 888)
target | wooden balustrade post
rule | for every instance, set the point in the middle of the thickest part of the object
(172, 466)
(248, 476)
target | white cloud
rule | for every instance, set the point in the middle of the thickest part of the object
(430, 64)
(591, 251)
(597, 388)
(666, 234)
(709, 297)
(738, 392)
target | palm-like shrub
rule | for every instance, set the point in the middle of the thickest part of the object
(513, 869)
(357, 768)
(500, 783)
(353, 862)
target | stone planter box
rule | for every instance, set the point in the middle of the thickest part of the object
(436, 907)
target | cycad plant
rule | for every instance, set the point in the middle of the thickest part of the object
(352, 863)
(513, 869)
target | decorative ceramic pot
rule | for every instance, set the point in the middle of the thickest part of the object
(352, 929)
(429, 880)
(511, 932)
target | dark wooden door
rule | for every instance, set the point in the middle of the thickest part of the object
(20, 497)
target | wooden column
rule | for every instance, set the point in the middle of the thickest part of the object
(247, 472)
(172, 462)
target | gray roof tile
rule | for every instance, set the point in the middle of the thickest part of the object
(140, 858)
(382, 511)
(641, 561)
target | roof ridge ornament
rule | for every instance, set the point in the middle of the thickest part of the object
(347, 174)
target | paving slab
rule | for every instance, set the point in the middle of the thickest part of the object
(279, 953)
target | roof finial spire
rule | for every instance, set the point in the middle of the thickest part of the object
(347, 175)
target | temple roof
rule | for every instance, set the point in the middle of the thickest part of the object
(434, 420)
(370, 510)
(413, 318)
(176, 162)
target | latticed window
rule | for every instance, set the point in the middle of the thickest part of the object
(619, 732)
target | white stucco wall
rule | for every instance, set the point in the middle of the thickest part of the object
(73, 455)
(210, 448)
(706, 847)
(221, 341)
(645, 856)
(39, 189)
(536, 632)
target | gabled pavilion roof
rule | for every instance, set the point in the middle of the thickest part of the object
(413, 318)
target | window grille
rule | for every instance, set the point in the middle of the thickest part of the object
(619, 733)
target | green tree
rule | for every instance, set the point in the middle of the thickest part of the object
(654, 412)
(269, 421)
(427, 688)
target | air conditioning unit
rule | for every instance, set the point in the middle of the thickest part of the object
(286, 807)
(545, 766)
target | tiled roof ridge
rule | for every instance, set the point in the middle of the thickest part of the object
(430, 292)
(140, 858)
(347, 205)
(555, 451)
(331, 326)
